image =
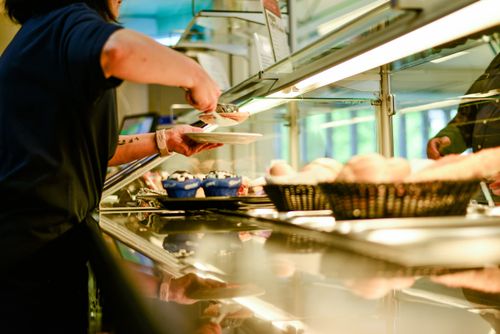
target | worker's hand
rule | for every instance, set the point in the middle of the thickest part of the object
(204, 93)
(435, 146)
(178, 142)
(181, 286)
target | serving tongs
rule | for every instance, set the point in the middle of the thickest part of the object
(224, 115)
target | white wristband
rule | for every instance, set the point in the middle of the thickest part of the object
(161, 142)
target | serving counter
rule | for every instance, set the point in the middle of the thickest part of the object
(310, 274)
(386, 81)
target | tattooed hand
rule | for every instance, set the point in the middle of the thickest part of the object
(178, 142)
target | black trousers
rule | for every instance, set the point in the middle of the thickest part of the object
(48, 292)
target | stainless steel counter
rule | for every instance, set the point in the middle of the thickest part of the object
(429, 275)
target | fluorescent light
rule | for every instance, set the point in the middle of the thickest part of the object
(475, 17)
(396, 237)
(168, 40)
(452, 102)
(455, 55)
(344, 122)
(429, 106)
(338, 22)
(481, 95)
(258, 105)
(279, 318)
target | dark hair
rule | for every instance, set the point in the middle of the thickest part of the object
(22, 10)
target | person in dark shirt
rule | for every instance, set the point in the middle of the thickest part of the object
(58, 134)
(476, 124)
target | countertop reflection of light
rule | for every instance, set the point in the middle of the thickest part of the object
(263, 310)
(286, 326)
(396, 237)
(264, 212)
(344, 227)
(326, 224)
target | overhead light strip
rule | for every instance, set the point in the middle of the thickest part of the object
(465, 21)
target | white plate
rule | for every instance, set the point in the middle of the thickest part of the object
(224, 137)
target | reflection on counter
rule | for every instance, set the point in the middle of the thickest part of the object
(285, 278)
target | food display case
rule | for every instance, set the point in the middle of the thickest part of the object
(384, 81)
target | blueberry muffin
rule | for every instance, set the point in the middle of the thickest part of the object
(181, 184)
(221, 183)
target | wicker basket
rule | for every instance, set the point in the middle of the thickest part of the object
(386, 200)
(296, 197)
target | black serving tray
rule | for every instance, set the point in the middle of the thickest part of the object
(216, 202)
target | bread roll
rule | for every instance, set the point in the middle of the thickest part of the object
(280, 168)
(310, 177)
(398, 169)
(326, 169)
(367, 168)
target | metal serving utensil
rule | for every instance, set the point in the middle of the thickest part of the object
(217, 117)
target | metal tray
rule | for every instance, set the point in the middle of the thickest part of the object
(216, 202)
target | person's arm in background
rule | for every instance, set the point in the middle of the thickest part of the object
(456, 136)
(449, 140)
(132, 56)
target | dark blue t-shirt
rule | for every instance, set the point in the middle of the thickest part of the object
(58, 125)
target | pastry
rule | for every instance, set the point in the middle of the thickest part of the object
(221, 183)
(181, 184)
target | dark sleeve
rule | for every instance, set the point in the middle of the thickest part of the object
(466, 117)
(460, 129)
(85, 34)
(464, 121)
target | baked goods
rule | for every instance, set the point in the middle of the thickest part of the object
(372, 186)
(397, 169)
(367, 168)
(318, 170)
(374, 168)
(280, 168)
(221, 183)
(181, 184)
(323, 169)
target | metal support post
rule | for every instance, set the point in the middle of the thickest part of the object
(293, 118)
(384, 112)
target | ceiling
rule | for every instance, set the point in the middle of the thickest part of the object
(168, 19)
(160, 18)
(165, 20)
